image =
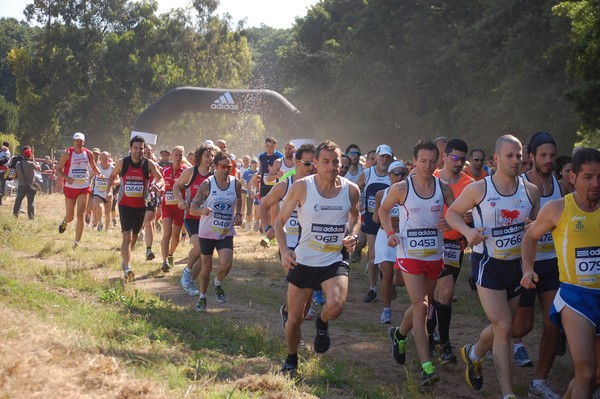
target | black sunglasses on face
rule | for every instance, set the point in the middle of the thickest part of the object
(354, 153)
(306, 163)
(398, 173)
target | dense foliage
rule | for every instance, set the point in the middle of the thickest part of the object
(366, 71)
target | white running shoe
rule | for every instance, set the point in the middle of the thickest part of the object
(542, 390)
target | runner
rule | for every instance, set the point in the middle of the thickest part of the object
(215, 201)
(325, 203)
(100, 202)
(476, 169)
(283, 165)
(135, 171)
(385, 256)
(371, 181)
(246, 181)
(575, 223)
(245, 166)
(304, 167)
(454, 159)
(189, 181)
(76, 167)
(345, 165)
(542, 149)
(420, 249)
(152, 207)
(172, 215)
(355, 170)
(501, 205)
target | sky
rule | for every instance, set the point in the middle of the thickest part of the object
(274, 13)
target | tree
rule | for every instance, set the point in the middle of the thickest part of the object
(584, 58)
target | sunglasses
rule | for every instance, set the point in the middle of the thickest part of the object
(221, 166)
(398, 173)
(354, 153)
(455, 158)
(477, 159)
(306, 163)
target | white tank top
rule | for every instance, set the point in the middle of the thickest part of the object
(79, 169)
(322, 225)
(219, 223)
(395, 211)
(354, 178)
(419, 236)
(284, 168)
(503, 218)
(292, 226)
(545, 245)
(100, 185)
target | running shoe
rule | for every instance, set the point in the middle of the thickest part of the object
(473, 374)
(310, 314)
(264, 242)
(542, 390)
(284, 316)
(429, 376)
(193, 290)
(186, 278)
(128, 275)
(114, 222)
(100, 226)
(171, 261)
(289, 369)
(201, 306)
(398, 345)
(370, 297)
(322, 340)
(447, 354)
(165, 267)
(87, 219)
(62, 227)
(562, 344)
(318, 297)
(522, 358)
(149, 254)
(219, 292)
(75, 244)
(386, 316)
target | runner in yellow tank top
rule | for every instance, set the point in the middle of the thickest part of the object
(575, 224)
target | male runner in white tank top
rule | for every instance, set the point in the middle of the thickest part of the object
(420, 248)
(542, 151)
(326, 202)
(502, 204)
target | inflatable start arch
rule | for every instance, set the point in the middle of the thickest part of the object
(267, 103)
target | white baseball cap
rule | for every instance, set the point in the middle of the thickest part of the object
(384, 149)
(208, 142)
(79, 136)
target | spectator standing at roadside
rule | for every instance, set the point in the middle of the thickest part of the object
(47, 172)
(26, 168)
(4, 160)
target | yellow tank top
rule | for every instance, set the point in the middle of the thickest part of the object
(577, 242)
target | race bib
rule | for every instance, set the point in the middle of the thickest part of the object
(545, 243)
(134, 188)
(170, 198)
(452, 251)
(422, 242)
(507, 241)
(587, 263)
(101, 185)
(292, 227)
(79, 175)
(371, 204)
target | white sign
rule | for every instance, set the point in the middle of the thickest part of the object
(149, 137)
